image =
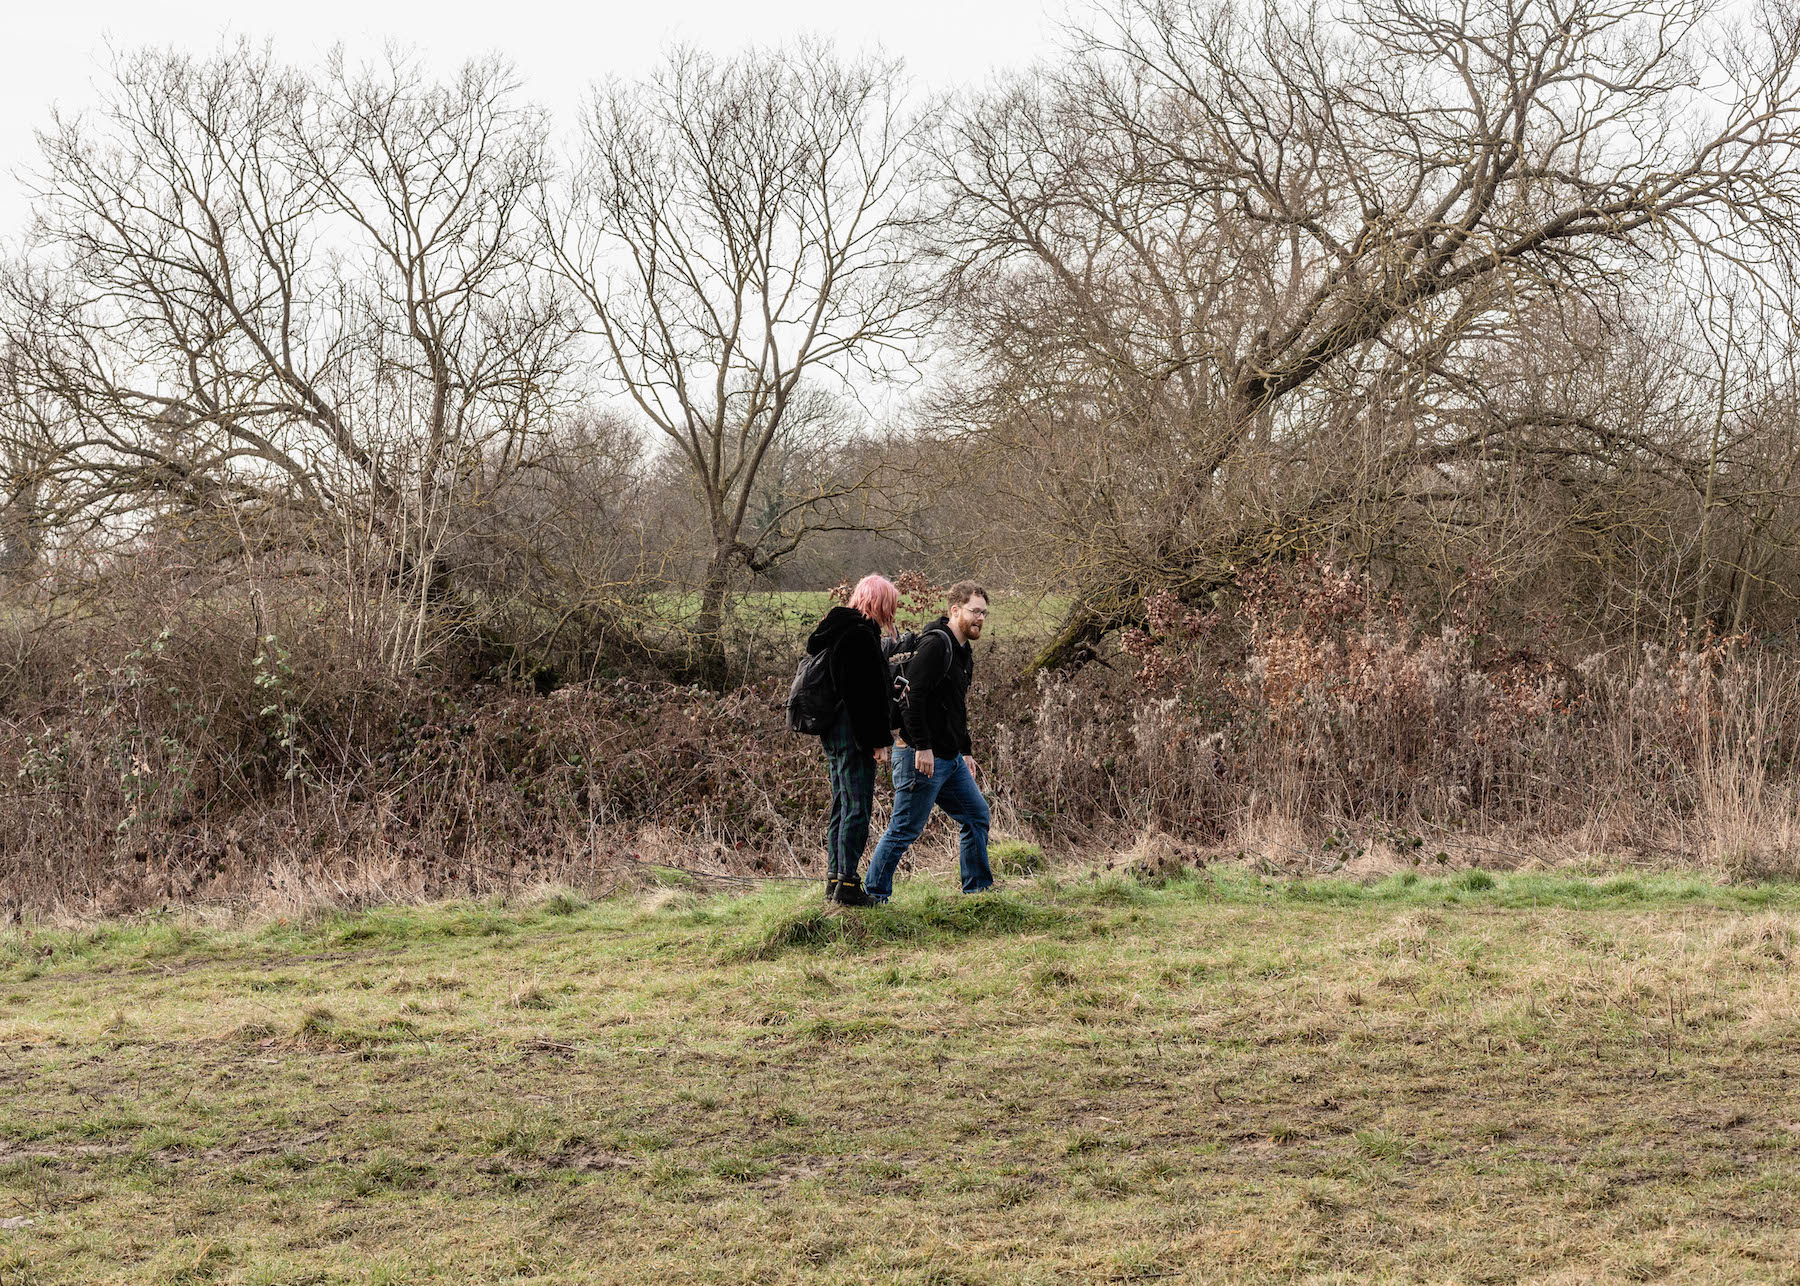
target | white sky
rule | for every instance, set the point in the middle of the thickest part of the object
(59, 47)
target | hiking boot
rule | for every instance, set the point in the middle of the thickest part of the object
(850, 892)
(831, 883)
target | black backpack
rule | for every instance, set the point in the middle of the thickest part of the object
(899, 686)
(812, 704)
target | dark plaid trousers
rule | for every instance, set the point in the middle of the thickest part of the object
(852, 799)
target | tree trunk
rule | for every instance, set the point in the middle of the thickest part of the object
(1118, 602)
(19, 522)
(706, 653)
(1096, 613)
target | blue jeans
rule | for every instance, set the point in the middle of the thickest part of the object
(952, 788)
(852, 799)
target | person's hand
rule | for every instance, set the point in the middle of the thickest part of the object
(924, 764)
(973, 772)
(881, 755)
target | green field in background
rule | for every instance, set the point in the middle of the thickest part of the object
(1029, 616)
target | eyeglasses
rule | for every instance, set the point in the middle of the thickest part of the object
(976, 611)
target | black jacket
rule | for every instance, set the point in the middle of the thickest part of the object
(858, 672)
(937, 702)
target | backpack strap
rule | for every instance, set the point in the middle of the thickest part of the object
(949, 645)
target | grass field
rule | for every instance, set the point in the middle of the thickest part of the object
(1023, 616)
(1474, 1078)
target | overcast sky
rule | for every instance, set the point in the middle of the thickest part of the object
(59, 47)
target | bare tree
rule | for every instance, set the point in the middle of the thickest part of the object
(1313, 231)
(465, 345)
(738, 230)
(168, 288)
(308, 296)
(25, 459)
(565, 547)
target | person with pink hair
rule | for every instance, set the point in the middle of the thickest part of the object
(853, 635)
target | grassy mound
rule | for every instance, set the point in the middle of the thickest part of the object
(917, 916)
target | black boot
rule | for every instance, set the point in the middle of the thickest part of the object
(831, 886)
(850, 892)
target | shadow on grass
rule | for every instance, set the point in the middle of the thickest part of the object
(928, 915)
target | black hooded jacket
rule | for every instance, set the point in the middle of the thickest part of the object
(937, 702)
(858, 672)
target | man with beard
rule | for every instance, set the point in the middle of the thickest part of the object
(933, 766)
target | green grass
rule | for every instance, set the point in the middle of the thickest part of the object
(1078, 1079)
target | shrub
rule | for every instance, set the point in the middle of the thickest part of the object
(161, 753)
(1312, 701)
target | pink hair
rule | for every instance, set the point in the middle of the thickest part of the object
(876, 598)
